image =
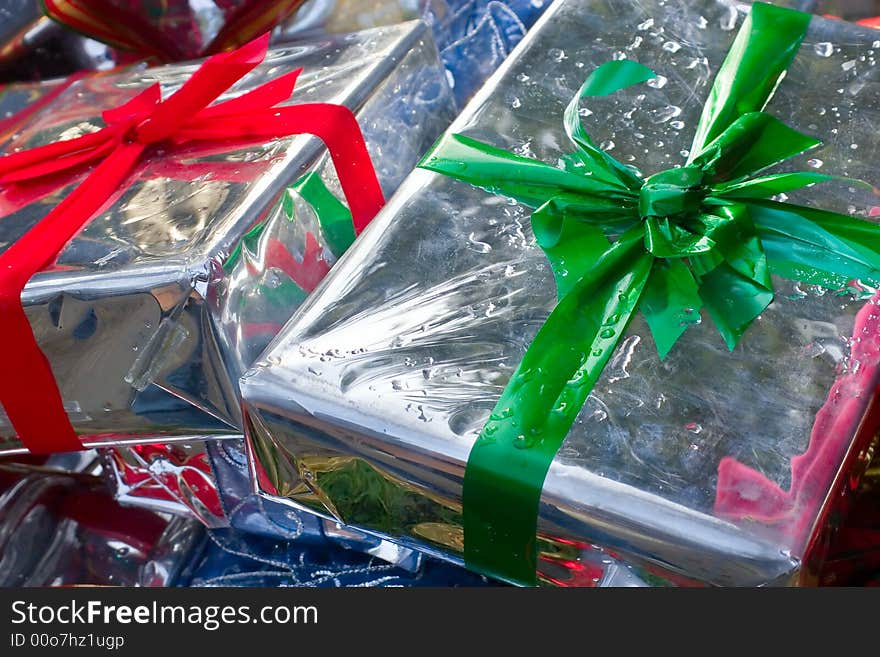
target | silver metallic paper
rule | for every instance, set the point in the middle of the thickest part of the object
(366, 406)
(145, 294)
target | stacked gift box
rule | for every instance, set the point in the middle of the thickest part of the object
(456, 293)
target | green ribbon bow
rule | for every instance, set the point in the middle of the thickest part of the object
(704, 235)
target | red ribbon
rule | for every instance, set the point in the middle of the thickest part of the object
(28, 390)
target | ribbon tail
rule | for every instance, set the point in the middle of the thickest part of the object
(509, 461)
(761, 53)
(266, 95)
(51, 158)
(215, 76)
(817, 246)
(529, 181)
(605, 80)
(31, 398)
(670, 304)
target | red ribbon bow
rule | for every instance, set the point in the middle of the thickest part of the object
(28, 390)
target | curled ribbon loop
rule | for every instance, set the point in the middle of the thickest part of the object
(704, 235)
(31, 398)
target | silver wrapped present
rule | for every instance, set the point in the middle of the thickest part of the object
(709, 466)
(172, 291)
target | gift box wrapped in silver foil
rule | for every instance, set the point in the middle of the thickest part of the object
(708, 466)
(171, 291)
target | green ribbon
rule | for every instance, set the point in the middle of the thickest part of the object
(334, 219)
(333, 215)
(704, 235)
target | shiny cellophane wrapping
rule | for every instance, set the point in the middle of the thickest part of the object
(707, 467)
(67, 530)
(160, 292)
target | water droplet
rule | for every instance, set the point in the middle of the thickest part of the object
(509, 271)
(478, 246)
(645, 25)
(728, 21)
(556, 54)
(672, 46)
(684, 153)
(824, 49)
(702, 23)
(516, 103)
(396, 384)
(635, 44)
(693, 427)
(585, 111)
(677, 125)
(606, 333)
(853, 146)
(522, 77)
(607, 145)
(108, 407)
(524, 442)
(597, 352)
(666, 113)
(658, 82)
